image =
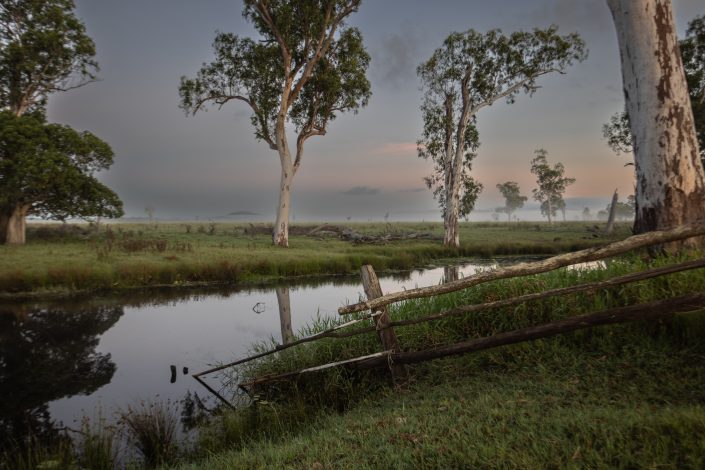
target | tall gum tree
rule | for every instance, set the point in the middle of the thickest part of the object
(308, 68)
(469, 72)
(44, 49)
(670, 186)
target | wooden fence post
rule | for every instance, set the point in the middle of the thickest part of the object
(386, 334)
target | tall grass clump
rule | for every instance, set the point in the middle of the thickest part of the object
(151, 427)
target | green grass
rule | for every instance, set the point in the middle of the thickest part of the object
(622, 396)
(141, 255)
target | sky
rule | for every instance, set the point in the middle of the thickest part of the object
(210, 165)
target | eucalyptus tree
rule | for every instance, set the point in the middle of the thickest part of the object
(44, 49)
(670, 187)
(692, 48)
(469, 72)
(48, 170)
(551, 184)
(307, 67)
(513, 199)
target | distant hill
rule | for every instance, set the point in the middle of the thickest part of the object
(243, 213)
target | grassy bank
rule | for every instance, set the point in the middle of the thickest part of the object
(76, 258)
(624, 396)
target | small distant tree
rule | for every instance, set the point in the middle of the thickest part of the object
(551, 184)
(587, 215)
(469, 72)
(149, 210)
(307, 68)
(48, 170)
(513, 199)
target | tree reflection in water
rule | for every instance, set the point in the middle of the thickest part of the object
(47, 354)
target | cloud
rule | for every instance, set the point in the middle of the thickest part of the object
(361, 191)
(395, 63)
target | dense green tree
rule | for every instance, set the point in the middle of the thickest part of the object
(551, 184)
(306, 68)
(513, 199)
(49, 170)
(44, 49)
(692, 48)
(469, 72)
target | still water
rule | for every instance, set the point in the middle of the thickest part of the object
(60, 361)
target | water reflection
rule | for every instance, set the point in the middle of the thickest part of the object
(284, 303)
(63, 360)
(451, 273)
(47, 354)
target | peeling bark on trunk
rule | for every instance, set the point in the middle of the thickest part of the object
(285, 314)
(613, 212)
(670, 186)
(451, 237)
(13, 225)
(280, 236)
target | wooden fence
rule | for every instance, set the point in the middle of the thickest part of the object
(393, 356)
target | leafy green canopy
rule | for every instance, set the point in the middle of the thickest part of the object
(473, 70)
(617, 131)
(44, 48)
(307, 68)
(49, 169)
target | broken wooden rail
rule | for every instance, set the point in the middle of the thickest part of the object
(523, 269)
(395, 358)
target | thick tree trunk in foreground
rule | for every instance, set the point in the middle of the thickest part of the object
(670, 187)
(613, 212)
(13, 225)
(285, 314)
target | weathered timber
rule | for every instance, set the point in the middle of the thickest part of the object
(290, 375)
(647, 311)
(329, 333)
(210, 389)
(387, 336)
(593, 286)
(465, 309)
(522, 269)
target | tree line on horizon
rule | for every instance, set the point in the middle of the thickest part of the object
(308, 66)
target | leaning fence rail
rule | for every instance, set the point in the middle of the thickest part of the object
(395, 358)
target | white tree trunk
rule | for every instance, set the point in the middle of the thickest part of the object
(451, 236)
(550, 212)
(280, 236)
(13, 226)
(670, 187)
(284, 302)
